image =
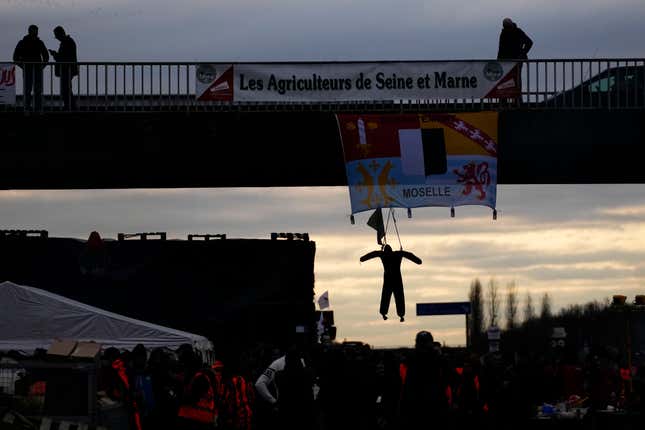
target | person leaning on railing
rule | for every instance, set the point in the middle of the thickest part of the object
(29, 51)
(66, 54)
(514, 44)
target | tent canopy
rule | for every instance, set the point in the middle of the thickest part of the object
(32, 318)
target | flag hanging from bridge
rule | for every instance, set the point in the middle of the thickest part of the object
(416, 160)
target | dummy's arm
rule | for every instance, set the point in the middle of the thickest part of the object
(370, 255)
(410, 256)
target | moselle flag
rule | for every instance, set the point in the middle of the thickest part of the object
(416, 160)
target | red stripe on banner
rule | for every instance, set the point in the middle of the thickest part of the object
(473, 133)
(221, 89)
(509, 86)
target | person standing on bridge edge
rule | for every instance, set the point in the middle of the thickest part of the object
(31, 50)
(67, 55)
(514, 44)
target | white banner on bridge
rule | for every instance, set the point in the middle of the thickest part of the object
(337, 82)
(7, 84)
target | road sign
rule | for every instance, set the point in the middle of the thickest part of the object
(450, 308)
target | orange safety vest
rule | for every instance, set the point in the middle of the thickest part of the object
(448, 394)
(38, 388)
(204, 410)
(477, 388)
(119, 366)
(242, 399)
(403, 372)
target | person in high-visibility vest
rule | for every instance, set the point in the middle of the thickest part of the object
(123, 392)
(243, 397)
(467, 403)
(424, 400)
(198, 409)
(233, 399)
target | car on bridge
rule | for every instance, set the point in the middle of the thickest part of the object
(616, 87)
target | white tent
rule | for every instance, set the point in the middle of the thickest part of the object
(31, 318)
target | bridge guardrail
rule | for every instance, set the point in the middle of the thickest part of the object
(155, 86)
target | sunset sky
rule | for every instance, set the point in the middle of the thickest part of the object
(578, 243)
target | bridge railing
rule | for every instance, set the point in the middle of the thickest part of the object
(584, 84)
(155, 86)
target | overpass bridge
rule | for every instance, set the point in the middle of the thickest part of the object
(144, 125)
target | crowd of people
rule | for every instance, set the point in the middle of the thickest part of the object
(349, 385)
(352, 386)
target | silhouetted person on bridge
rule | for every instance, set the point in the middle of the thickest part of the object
(68, 69)
(28, 51)
(392, 281)
(514, 44)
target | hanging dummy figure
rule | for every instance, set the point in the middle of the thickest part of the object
(392, 281)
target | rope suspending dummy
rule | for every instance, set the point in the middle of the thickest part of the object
(392, 280)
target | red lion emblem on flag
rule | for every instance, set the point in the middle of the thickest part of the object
(474, 176)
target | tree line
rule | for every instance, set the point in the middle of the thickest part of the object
(527, 322)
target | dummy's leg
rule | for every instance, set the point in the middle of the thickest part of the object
(386, 294)
(399, 299)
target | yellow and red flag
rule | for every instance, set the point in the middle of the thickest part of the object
(416, 160)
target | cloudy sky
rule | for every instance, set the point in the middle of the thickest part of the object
(577, 243)
(251, 30)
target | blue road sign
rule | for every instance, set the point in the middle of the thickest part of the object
(450, 308)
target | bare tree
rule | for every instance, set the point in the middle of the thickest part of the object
(545, 308)
(493, 302)
(529, 309)
(511, 305)
(475, 296)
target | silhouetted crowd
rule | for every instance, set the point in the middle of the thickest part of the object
(352, 386)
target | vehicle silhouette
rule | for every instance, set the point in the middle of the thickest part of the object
(615, 87)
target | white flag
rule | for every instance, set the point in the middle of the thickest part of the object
(323, 300)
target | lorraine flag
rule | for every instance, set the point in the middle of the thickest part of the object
(435, 159)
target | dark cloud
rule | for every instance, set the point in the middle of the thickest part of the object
(333, 30)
